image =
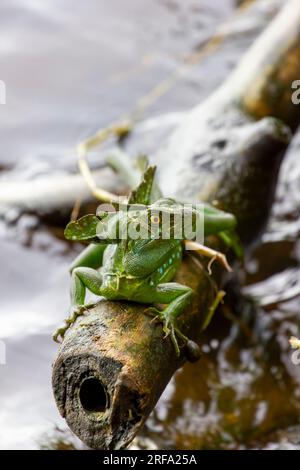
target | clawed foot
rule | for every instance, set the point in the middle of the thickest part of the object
(210, 253)
(168, 326)
(60, 332)
(221, 258)
(170, 329)
(155, 313)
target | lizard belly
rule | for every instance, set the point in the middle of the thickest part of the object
(117, 286)
(122, 286)
(111, 286)
(167, 271)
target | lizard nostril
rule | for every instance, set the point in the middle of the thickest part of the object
(93, 395)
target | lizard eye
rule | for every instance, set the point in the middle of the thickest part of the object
(155, 219)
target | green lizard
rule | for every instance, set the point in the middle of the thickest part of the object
(141, 269)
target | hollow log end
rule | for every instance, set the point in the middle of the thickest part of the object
(114, 364)
(103, 401)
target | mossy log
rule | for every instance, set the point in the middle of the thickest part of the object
(114, 363)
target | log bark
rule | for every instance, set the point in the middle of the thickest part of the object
(114, 363)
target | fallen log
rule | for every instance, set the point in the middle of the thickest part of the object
(113, 364)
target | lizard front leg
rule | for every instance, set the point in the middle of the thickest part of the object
(82, 279)
(178, 298)
(90, 257)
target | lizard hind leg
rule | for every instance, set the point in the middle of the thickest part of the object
(210, 253)
(177, 297)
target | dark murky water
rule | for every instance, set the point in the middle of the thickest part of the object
(69, 68)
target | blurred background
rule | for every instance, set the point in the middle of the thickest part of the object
(70, 68)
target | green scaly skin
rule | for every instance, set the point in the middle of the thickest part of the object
(139, 270)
